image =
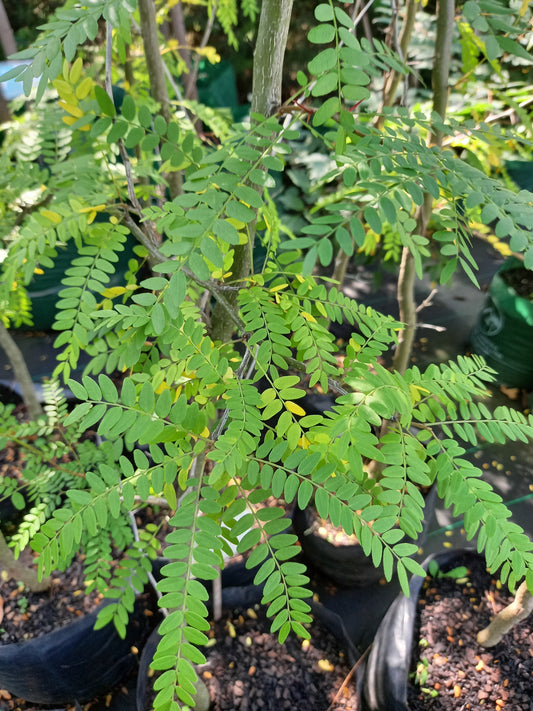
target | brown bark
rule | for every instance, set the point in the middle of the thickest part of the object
(156, 72)
(7, 37)
(21, 372)
(518, 610)
(16, 570)
(266, 98)
(441, 73)
(5, 113)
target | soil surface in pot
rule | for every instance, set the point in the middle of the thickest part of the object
(248, 670)
(24, 614)
(453, 671)
(521, 279)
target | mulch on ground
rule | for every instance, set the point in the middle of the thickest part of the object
(248, 670)
(453, 671)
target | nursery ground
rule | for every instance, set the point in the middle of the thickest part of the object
(451, 672)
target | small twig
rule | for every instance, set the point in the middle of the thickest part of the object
(333, 384)
(151, 579)
(432, 326)
(428, 301)
(349, 676)
(159, 257)
(203, 43)
(362, 13)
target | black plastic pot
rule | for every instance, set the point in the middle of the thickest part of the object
(386, 673)
(76, 662)
(238, 592)
(345, 565)
(503, 333)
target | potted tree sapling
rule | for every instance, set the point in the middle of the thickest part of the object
(50, 651)
(456, 639)
(192, 341)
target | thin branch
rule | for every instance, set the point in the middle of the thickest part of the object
(193, 77)
(428, 301)
(333, 384)
(159, 257)
(156, 73)
(363, 12)
(108, 58)
(401, 42)
(406, 279)
(151, 579)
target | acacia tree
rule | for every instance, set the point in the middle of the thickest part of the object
(232, 300)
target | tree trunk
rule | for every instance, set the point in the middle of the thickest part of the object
(266, 99)
(21, 372)
(518, 610)
(7, 38)
(5, 113)
(16, 570)
(392, 82)
(406, 280)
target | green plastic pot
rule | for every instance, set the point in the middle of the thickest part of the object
(503, 333)
(44, 289)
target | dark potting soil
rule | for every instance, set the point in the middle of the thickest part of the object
(24, 614)
(248, 670)
(521, 279)
(454, 671)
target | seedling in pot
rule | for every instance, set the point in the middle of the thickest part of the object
(459, 574)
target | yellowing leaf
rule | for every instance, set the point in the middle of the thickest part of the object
(52, 216)
(70, 109)
(294, 408)
(303, 442)
(69, 120)
(279, 287)
(308, 317)
(320, 306)
(75, 72)
(170, 495)
(83, 89)
(209, 53)
(91, 217)
(113, 291)
(37, 270)
(205, 432)
(236, 223)
(416, 392)
(162, 387)
(91, 208)
(64, 90)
